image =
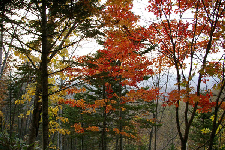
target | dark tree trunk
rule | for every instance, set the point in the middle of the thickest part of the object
(104, 121)
(120, 115)
(1, 37)
(44, 77)
(150, 139)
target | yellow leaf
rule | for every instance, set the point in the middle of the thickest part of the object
(28, 112)
(123, 109)
(21, 116)
(1, 114)
(205, 130)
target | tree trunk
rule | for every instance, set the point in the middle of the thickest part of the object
(36, 117)
(117, 142)
(104, 121)
(183, 145)
(104, 131)
(1, 38)
(10, 110)
(150, 139)
(120, 115)
(59, 141)
(121, 137)
(44, 76)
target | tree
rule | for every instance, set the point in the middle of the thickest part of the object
(6, 7)
(113, 72)
(200, 132)
(188, 46)
(50, 31)
(194, 40)
(105, 104)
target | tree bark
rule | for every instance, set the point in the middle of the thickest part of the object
(1, 38)
(120, 114)
(150, 139)
(104, 120)
(44, 77)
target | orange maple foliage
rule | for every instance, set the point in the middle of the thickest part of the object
(78, 128)
(146, 95)
(117, 131)
(120, 61)
(180, 39)
(189, 34)
(93, 128)
(204, 102)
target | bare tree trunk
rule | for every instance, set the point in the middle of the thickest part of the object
(59, 141)
(44, 76)
(10, 110)
(1, 38)
(150, 139)
(120, 115)
(104, 121)
(117, 142)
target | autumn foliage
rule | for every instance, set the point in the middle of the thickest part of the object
(185, 44)
(116, 70)
(174, 61)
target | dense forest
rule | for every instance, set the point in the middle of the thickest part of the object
(155, 82)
